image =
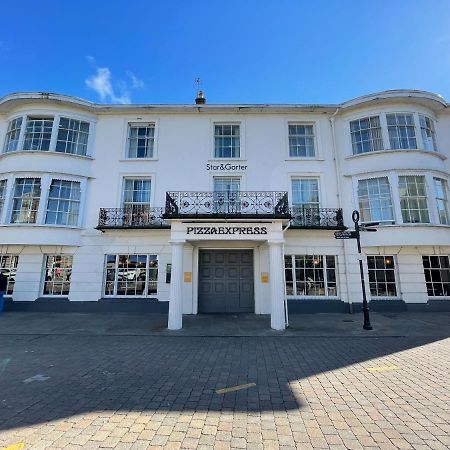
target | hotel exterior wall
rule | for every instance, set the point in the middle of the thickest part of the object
(183, 147)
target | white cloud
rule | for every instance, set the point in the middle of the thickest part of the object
(117, 91)
(136, 83)
(101, 83)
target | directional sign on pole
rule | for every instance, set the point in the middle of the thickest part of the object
(348, 234)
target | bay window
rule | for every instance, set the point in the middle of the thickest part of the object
(26, 197)
(401, 129)
(63, 205)
(413, 199)
(428, 133)
(375, 202)
(441, 189)
(48, 134)
(366, 135)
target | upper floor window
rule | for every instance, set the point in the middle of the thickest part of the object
(72, 136)
(305, 193)
(27, 193)
(2, 195)
(55, 134)
(226, 194)
(38, 133)
(413, 199)
(441, 189)
(13, 135)
(227, 141)
(375, 202)
(301, 141)
(428, 133)
(402, 134)
(366, 135)
(63, 205)
(141, 140)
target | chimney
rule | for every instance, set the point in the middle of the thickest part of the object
(200, 100)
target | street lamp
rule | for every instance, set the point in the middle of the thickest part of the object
(358, 228)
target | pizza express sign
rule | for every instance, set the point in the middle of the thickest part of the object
(226, 230)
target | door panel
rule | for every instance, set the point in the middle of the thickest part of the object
(226, 281)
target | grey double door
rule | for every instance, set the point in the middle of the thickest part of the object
(225, 282)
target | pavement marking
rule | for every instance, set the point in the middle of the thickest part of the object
(382, 368)
(38, 377)
(18, 446)
(235, 388)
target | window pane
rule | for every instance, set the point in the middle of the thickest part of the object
(38, 133)
(401, 131)
(141, 141)
(375, 202)
(226, 141)
(129, 275)
(58, 271)
(72, 136)
(301, 141)
(413, 200)
(13, 135)
(27, 192)
(381, 276)
(63, 203)
(366, 135)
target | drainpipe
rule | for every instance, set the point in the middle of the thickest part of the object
(337, 167)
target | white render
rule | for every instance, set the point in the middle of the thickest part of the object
(183, 147)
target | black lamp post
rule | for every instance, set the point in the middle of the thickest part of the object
(365, 308)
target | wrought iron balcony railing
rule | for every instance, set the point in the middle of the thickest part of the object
(319, 218)
(242, 204)
(135, 216)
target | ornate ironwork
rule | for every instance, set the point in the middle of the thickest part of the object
(225, 204)
(311, 217)
(135, 216)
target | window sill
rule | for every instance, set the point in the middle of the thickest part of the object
(212, 160)
(44, 152)
(305, 159)
(39, 225)
(137, 159)
(388, 151)
(312, 297)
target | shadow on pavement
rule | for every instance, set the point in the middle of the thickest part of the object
(103, 371)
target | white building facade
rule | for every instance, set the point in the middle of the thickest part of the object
(224, 208)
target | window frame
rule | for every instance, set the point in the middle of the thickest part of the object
(397, 127)
(370, 130)
(325, 269)
(13, 197)
(417, 197)
(444, 199)
(56, 117)
(436, 297)
(314, 138)
(143, 124)
(116, 275)
(44, 274)
(60, 200)
(225, 122)
(13, 256)
(393, 208)
(426, 117)
(394, 271)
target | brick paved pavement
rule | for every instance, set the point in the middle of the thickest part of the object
(138, 392)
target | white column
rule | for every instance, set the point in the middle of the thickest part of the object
(175, 321)
(277, 318)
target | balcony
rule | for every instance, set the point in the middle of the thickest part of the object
(317, 218)
(227, 205)
(136, 217)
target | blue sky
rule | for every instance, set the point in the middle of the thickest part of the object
(254, 51)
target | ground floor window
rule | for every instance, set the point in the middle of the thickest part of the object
(310, 275)
(58, 270)
(131, 275)
(437, 275)
(382, 276)
(8, 266)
